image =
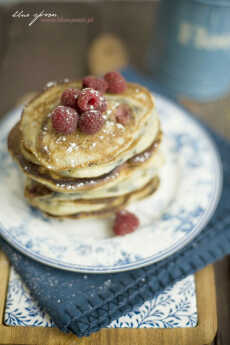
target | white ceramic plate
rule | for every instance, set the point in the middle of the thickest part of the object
(191, 183)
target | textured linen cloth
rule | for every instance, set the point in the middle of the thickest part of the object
(174, 307)
(83, 306)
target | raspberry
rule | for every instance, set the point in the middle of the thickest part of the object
(117, 83)
(98, 84)
(89, 99)
(69, 97)
(91, 121)
(64, 119)
(125, 223)
(123, 114)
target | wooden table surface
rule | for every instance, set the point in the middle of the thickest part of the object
(32, 55)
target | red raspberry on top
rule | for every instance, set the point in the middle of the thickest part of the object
(123, 114)
(116, 82)
(69, 97)
(64, 119)
(91, 121)
(98, 84)
(90, 99)
(125, 223)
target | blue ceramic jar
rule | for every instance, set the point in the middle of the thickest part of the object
(190, 52)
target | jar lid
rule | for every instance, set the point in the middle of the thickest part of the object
(218, 3)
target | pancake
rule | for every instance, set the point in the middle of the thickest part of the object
(70, 185)
(148, 135)
(80, 155)
(129, 180)
(80, 175)
(38, 196)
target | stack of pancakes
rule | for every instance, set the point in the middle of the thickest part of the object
(79, 175)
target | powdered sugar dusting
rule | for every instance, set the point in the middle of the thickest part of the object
(50, 84)
(72, 147)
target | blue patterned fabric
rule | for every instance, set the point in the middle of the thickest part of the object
(83, 306)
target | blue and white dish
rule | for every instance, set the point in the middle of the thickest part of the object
(191, 183)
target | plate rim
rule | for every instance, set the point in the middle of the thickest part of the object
(179, 244)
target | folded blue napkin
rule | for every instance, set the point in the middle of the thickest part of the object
(83, 306)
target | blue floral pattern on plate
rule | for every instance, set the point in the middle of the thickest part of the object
(191, 182)
(174, 307)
